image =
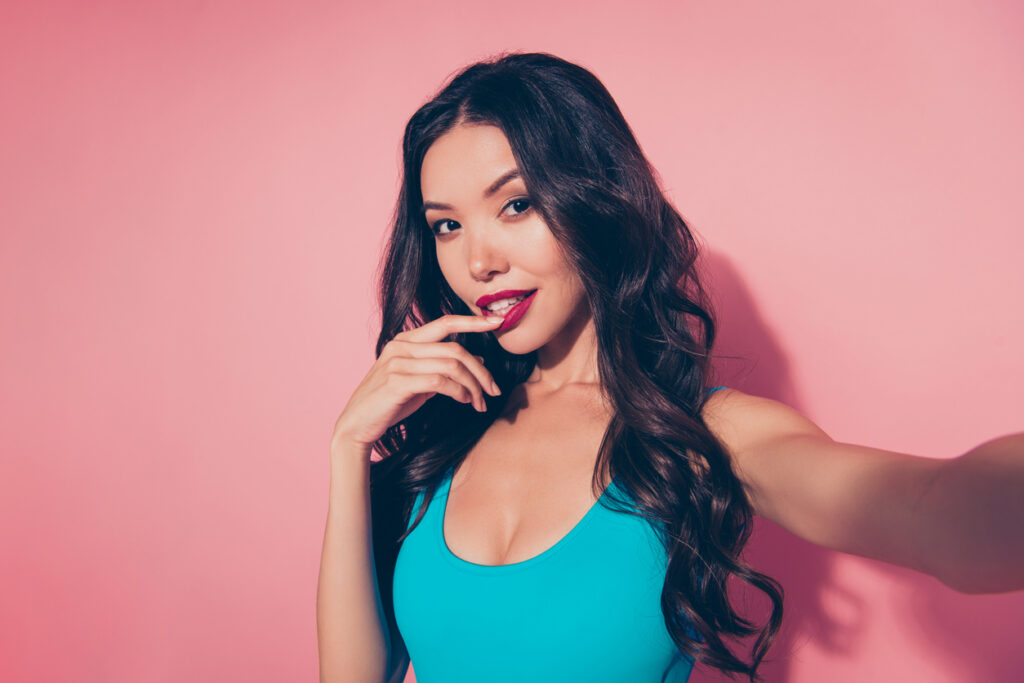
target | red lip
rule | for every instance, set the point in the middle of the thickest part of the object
(503, 294)
(514, 314)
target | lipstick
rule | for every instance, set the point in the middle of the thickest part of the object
(503, 294)
(516, 313)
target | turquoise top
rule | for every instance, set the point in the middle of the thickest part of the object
(586, 609)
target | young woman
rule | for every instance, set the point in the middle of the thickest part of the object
(561, 494)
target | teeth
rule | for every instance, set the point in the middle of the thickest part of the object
(503, 304)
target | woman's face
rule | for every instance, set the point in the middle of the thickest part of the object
(489, 237)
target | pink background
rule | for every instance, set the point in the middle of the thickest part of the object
(193, 199)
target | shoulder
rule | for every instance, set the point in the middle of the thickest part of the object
(750, 428)
(844, 496)
(738, 418)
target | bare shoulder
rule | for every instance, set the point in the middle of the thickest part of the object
(748, 426)
(848, 497)
(739, 419)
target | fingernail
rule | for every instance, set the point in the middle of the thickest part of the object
(496, 388)
(494, 319)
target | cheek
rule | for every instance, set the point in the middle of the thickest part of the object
(445, 262)
(554, 267)
(448, 272)
(538, 250)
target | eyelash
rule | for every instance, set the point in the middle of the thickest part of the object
(529, 206)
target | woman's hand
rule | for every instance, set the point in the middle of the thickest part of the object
(413, 367)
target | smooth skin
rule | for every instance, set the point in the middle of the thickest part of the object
(353, 640)
(958, 520)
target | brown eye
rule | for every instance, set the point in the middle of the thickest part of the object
(520, 201)
(436, 227)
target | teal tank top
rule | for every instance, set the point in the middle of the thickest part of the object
(588, 608)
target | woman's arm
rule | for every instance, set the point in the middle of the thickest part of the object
(959, 520)
(975, 518)
(353, 638)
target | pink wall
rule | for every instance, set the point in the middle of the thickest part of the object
(193, 199)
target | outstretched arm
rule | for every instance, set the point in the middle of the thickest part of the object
(960, 520)
(972, 518)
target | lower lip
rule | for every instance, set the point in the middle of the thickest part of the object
(515, 313)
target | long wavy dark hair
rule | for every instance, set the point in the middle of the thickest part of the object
(587, 176)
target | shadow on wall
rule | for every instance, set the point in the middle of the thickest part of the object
(976, 635)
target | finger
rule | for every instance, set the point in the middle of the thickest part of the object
(488, 381)
(458, 351)
(433, 383)
(436, 330)
(453, 368)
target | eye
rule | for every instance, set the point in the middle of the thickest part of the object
(522, 204)
(436, 227)
(520, 201)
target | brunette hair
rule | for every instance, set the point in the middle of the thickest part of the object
(588, 178)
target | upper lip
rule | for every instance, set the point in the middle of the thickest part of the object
(503, 294)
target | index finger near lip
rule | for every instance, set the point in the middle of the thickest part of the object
(437, 330)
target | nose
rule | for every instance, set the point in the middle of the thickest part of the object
(486, 258)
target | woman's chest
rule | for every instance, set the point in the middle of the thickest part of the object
(524, 484)
(588, 608)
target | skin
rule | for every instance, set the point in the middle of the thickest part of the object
(528, 480)
(487, 244)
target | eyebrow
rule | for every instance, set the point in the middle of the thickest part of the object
(489, 192)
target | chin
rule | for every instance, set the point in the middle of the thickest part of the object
(518, 345)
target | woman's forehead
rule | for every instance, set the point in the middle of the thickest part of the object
(465, 150)
(467, 163)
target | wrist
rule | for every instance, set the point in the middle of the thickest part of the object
(350, 456)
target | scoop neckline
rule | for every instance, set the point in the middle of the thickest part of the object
(466, 565)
